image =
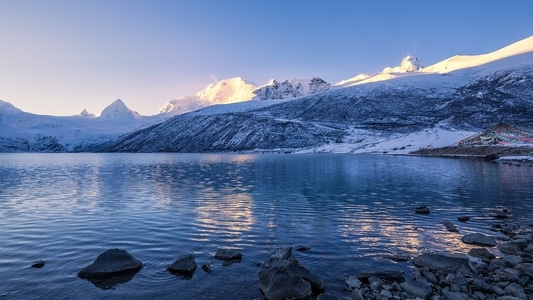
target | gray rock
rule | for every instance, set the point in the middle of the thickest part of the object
(352, 282)
(284, 282)
(429, 276)
(109, 263)
(525, 268)
(185, 265)
(446, 263)
(228, 254)
(509, 248)
(508, 298)
(417, 288)
(512, 260)
(386, 294)
(447, 295)
(479, 284)
(450, 226)
(317, 285)
(482, 253)
(357, 295)
(516, 290)
(375, 283)
(478, 239)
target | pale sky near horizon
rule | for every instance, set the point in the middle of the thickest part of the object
(58, 57)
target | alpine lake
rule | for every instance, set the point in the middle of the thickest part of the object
(352, 211)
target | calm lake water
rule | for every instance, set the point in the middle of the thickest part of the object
(352, 210)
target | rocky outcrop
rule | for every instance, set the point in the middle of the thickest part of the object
(284, 278)
(289, 89)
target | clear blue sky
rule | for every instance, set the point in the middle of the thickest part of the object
(60, 56)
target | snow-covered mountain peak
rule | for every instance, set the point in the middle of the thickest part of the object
(409, 64)
(230, 90)
(459, 62)
(226, 91)
(118, 111)
(6, 107)
(293, 88)
(85, 113)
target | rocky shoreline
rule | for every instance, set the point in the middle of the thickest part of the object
(488, 151)
(497, 267)
(480, 274)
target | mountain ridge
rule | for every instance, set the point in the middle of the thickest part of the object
(370, 114)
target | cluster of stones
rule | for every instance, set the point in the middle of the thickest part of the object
(476, 275)
(116, 266)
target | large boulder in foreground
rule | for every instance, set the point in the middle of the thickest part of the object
(280, 282)
(112, 262)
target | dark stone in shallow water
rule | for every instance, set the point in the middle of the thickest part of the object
(450, 226)
(228, 254)
(423, 209)
(112, 267)
(38, 264)
(184, 265)
(463, 219)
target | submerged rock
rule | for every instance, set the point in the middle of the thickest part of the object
(228, 254)
(184, 265)
(450, 226)
(207, 268)
(38, 264)
(463, 219)
(423, 209)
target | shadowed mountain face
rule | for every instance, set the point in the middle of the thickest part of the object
(399, 106)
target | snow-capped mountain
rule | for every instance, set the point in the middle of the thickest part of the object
(25, 132)
(118, 112)
(289, 89)
(226, 91)
(408, 66)
(396, 112)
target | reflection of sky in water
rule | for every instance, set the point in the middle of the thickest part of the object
(351, 209)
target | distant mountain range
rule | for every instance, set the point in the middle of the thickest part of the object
(398, 110)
